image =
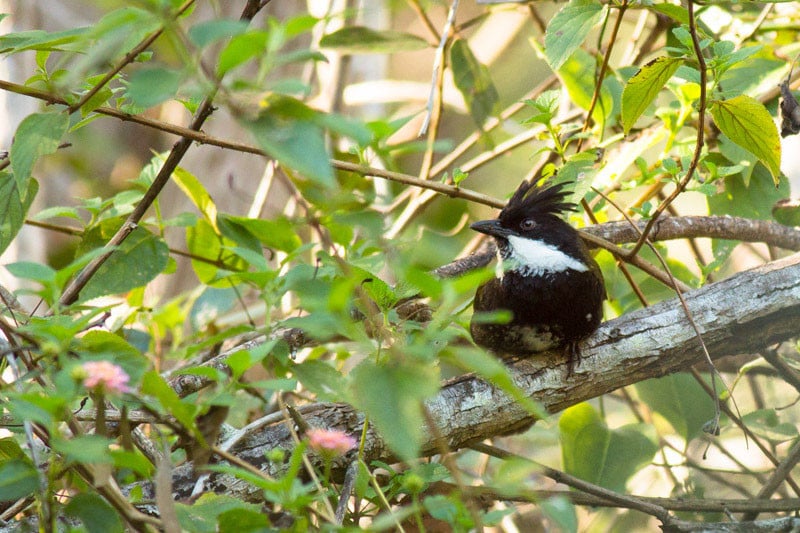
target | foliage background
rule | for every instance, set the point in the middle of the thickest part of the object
(323, 235)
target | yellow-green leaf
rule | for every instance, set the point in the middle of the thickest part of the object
(568, 29)
(644, 86)
(747, 122)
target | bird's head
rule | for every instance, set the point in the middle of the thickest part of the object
(530, 233)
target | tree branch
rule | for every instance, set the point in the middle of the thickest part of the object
(744, 313)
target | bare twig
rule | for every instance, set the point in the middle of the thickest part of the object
(701, 125)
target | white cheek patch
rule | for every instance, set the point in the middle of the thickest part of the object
(538, 257)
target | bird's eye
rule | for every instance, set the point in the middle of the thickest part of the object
(527, 224)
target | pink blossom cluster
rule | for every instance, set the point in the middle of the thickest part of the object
(329, 442)
(105, 377)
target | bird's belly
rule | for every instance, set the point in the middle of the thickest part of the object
(516, 339)
(546, 312)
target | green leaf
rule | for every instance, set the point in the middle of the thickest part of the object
(240, 49)
(392, 397)
(201, 516)
(361, 40)
(766, 424)
(288, 130)
(99, 344)
(204, 241)
(85, 449)
(498, 374)
(473, 81)
(593, 452)
(277, 234)
(13, 207)
(137, 261)
(644, 86)
(561, 512)
(95, 513)
(211, 31)
(10, 449)
(40, 40)
(680, 400)
(197, 193)
(787, 212)
(577, 73)
(748, 123)
(153, 85)
(38, 134)
(675, 12)
(584, 442)
(154, 385)
(18, 479)
(327, 383)
(568, 29)
(33, 271)
(243, 520)
(752, 200)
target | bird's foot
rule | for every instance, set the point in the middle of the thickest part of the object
(573, 357)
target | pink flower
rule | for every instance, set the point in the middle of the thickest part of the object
(330, 443)
(105, 377)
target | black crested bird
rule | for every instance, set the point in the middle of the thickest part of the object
(546, 278)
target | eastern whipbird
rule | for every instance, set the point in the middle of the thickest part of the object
(545, 277)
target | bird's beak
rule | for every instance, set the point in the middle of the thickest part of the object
(491, 227)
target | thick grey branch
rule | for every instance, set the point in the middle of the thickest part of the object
(667, 228)
(744, 313)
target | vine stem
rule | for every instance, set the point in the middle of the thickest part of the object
(699, 143)
(603, 68)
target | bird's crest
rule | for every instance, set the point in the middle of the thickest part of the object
(531, 198)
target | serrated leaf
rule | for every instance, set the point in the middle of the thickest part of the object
(747, 122)
(361, 40)
(644, 86)
(568, 29)
(37, 135)
(137, 261)
(392, 397)
(13, 207)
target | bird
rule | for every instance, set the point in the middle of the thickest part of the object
(545, 277)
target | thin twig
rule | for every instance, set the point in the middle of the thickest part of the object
(700, 141)
(562, 477)
(602, 74)
(438, 65)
